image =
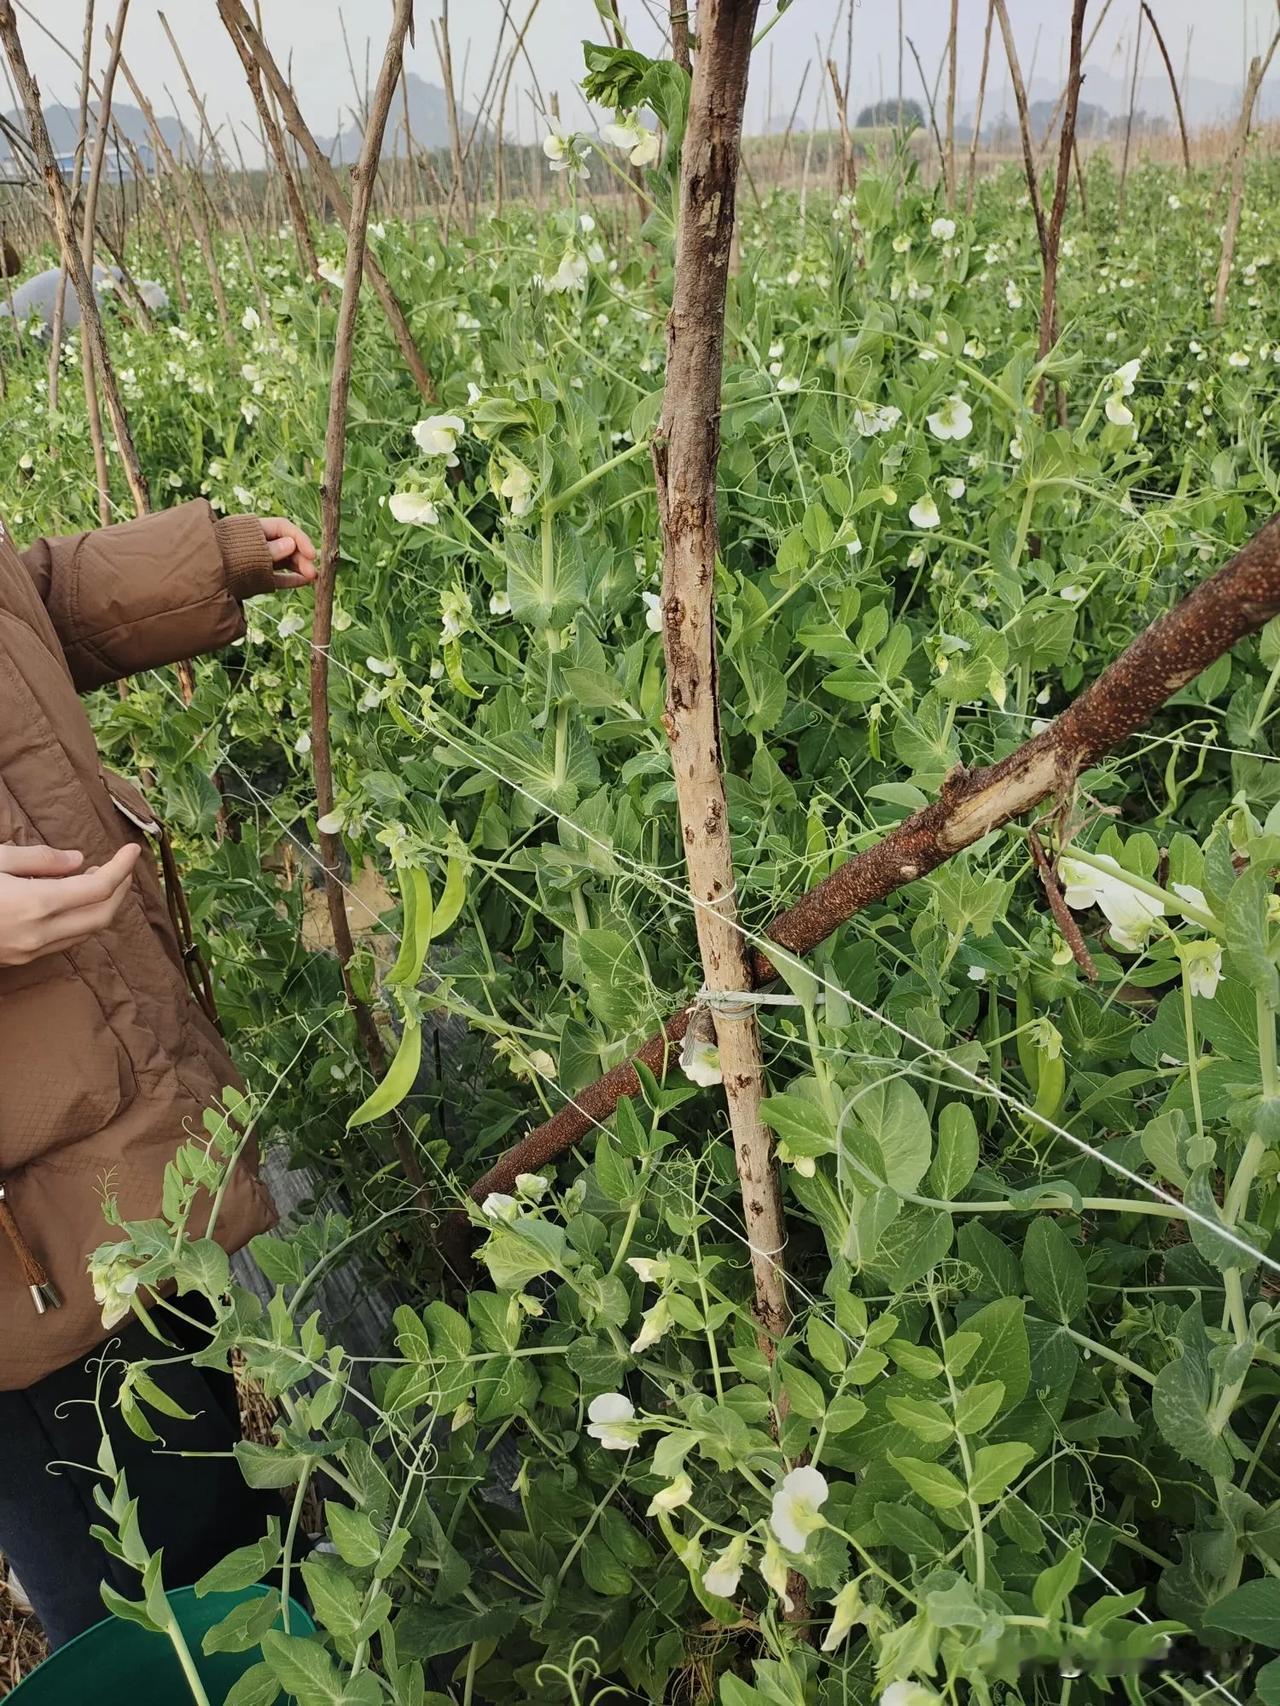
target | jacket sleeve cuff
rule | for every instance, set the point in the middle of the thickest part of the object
(246, 561)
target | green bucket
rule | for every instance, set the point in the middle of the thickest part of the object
(117, 1663)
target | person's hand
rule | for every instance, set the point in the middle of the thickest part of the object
(49, 902)
(291, 551)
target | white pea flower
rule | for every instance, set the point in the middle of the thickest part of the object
(251, 319)
(924, 512)
(586, 223)
(302, 746)
(796, 1509)
(1191, 894)
(853, 546)
(775, 1570)
(532, 1186)
(655, 1323)
(1173, 202)
(953, 420)
(653, 1270)
(1128, 911)
(474, 394)
(332, 822)
(517, 487)
(675, 1494)
(869, 422)
(1237, 358)
(290, 624)
(1202, 963)
(652, 611)
(1073, 594)
(943, 229)
(846, 1610)
(901, 243)
(438, 436)
(909, 1694)
(977, 974)
(330, 274)
(975, 348)
(776, 351)
(725, 1570)
(1012, 295)
(612, 1417)
(700, 1063)
(499, 604)
(455, 613)
(566, 154)
(114, 1286)
(380, 666)
(628, 133)
(788, 383)
(501, 1208)
(25, 463)
(954, 487)
(1016, 448)
(413, 509)
(571, 274)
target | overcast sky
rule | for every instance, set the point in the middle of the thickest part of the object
(309, 30)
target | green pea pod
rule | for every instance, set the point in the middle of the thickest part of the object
(455, 892)
(398, 1081)
(419, 916)
(1052, 1085)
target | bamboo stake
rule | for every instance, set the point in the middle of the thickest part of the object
(362, 180)
(236, 18)
(1238, 600)
(72, 258)
(686, 451)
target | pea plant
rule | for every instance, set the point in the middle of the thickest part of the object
(822, 939)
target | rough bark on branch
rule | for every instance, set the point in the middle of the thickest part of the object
(1240, 599)
(686, 453)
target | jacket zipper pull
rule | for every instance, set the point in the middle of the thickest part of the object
(44, 1294)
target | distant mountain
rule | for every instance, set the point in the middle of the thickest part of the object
(64, 125)
(428, 120)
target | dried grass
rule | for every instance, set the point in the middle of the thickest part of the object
(22, 1644)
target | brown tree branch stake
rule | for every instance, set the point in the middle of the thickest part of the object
(933, 115)
(1061, 190)
(1024, 128)
(1062, 95)
(72, 258)
(977, 117)
(686, 451)
(362, 180)
(1241, 598)
(847, 176)
(190, 204)
(680, 37)
(1062, 915)
(60, 300)
(1173, 84)
(236, 18)
(1253, 82)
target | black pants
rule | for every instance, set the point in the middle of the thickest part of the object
(197, 1509)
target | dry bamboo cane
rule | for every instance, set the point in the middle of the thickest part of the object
(1238, 600)
(686, 451)
(1128, 124)
(362, 180)
(73, 260)
(236, 18)
(60, 300)
(847, 175)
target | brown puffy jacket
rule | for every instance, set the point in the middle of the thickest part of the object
(106, 1061)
